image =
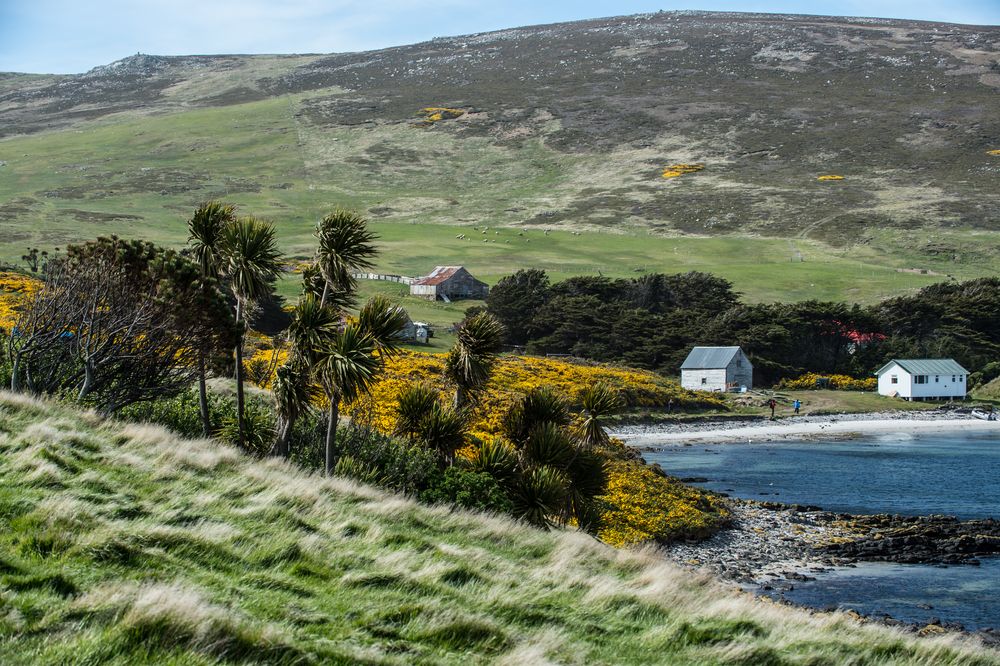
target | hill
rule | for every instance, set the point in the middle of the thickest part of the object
(569, 126)
(124, 544)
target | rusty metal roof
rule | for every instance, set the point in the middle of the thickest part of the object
(438, 275)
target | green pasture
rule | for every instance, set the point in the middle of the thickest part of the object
(141, 176)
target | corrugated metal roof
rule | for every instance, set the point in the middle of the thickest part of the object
(926, 366)
(438, 275)
(702, 358)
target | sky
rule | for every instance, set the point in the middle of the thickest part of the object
(72, 36)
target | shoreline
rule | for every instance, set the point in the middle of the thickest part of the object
(769, 547)
(833, 426)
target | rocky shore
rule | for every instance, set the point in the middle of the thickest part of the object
(769, 547)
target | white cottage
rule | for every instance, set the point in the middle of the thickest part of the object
(923, 379)
(716, 369)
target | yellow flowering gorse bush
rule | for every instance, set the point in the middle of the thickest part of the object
(643, 506)
(830, 177)
(640, 505)
(432, 114)
(993, 152)
(15, 289)
(837, 382)
(678, 170)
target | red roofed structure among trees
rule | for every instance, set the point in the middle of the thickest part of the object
(448, 283)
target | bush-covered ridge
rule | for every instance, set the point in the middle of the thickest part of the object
(124, 544)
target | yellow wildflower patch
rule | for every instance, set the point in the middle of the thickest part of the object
(830, 177)
(514, 376)
(433, 114)
(678, 170)
(993, 152)
(836, 382)
(15, 289)
(643, 506)
(262, 364)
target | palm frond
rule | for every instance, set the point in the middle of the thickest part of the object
(252, 261)
(599, 402)
(539, 495)
(294, 394)
(352, 468)
(346, 245)
(205, 231)
(538, 406)
(347, 364)
(548, 445)
(444, 430)
(312, 327)
(413, 404)
(384, 322)
(478, 341)
(496, 458)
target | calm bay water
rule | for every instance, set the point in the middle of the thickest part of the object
(956, 474)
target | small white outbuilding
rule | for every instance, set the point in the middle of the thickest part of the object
(923, 379)
(716, 369)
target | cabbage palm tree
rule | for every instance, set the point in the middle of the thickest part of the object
(346, 367)
(421, 418)
(345, 246)
(559, 476)
(470, 361)
(294, 395)
(251, 263)
(205, 229)
(599, 402)
(384, 322)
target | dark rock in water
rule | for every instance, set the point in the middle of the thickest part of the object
(692, 479)
(919, 540)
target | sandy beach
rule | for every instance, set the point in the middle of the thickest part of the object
(804, 427)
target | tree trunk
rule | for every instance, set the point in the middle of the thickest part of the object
(206, 424)
(88, 381)
(280, 448)
(459, 397)
(15, 372)
(331, 433)
(239, 372)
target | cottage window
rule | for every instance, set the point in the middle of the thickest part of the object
(739, 363)
(961, 378)
(937, 378)
(893, 379)
(704, 380)
(920, 379)
(953, 379)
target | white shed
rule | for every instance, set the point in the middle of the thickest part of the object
(923, 378)
(716, 369)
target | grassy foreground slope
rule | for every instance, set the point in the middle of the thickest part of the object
(122, 544)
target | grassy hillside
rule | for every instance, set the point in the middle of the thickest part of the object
(568, 126)
(122, 544)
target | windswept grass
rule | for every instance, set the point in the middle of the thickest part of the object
(123, 544)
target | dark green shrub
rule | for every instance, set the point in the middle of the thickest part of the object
(181, 413)
(468, 489)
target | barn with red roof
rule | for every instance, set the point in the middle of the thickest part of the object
(448, 283)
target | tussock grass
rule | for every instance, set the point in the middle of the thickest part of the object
(123, 544)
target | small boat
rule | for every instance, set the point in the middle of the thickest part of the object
(984, 415)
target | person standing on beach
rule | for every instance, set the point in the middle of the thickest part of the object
(797, 404)
(772, 403)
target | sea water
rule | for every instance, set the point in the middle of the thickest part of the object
(955, 474)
